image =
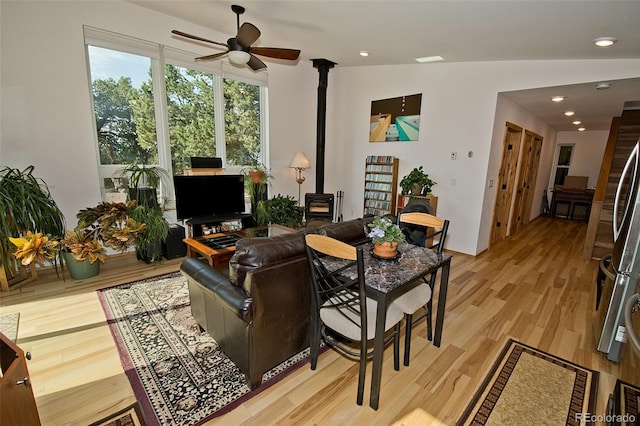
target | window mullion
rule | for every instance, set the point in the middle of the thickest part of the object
(219, 110)
(162, 119)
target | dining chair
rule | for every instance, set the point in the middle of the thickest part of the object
(341, 313)
(435, 233)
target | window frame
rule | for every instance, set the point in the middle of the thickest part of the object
(160, 56)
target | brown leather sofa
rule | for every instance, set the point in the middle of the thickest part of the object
(259, 314)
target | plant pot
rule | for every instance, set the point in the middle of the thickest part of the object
(256, 176)
(80, 270)
(387, 250)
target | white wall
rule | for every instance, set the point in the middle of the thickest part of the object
(586, 158)
(46, 118)
(459, 102)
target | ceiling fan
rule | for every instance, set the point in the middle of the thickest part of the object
(239, 47)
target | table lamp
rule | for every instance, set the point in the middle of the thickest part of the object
(299, 162)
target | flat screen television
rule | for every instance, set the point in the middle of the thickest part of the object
(208, 195)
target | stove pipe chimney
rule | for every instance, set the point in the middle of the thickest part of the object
(323, 66)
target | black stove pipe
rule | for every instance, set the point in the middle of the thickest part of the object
(323, 66)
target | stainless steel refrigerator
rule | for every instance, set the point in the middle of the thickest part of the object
(625, 258)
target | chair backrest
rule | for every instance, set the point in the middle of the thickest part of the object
(328, 259)
(435, 227)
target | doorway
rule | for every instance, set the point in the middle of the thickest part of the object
(506, 180)
(531, 148)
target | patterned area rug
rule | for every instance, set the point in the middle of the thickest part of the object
(178, 373)
(528, 386)
(627, 408)
(130, 416)
(9, 325)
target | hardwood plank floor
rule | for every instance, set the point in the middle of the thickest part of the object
(534, 287)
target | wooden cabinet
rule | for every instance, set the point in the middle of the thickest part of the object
(17, 404)
(380, 185)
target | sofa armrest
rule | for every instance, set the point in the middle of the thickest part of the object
(233, 298)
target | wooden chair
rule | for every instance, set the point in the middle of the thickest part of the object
(339, 304)
(421, 296)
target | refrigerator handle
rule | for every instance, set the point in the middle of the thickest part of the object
(632, 160)
(628, 310)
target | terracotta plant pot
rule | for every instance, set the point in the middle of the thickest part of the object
(386, 249)
(256, 175)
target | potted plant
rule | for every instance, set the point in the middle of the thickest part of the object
(282, 210)
(386, 236)
(417, 182)
(82, 254)
(144, 182)
(149, 244)
(26, 205)
(257, 179)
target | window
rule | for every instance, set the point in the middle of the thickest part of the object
(153, 105)
(563, 163)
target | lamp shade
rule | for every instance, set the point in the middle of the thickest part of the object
(300, 161)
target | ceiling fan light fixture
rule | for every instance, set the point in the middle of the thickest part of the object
(604, 41)
(239, 57)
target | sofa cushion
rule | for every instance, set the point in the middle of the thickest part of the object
(351, 231)
(253, 253)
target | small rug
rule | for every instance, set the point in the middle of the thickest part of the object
(627, 400)
(529, 386)
(179, 374)
(130, 416)
(9, 325)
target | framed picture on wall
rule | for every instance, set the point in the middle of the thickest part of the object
(395, 119)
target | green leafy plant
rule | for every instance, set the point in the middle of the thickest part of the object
(281, 210)
(384, 230)
(111, 224)
(149, 243)
(83, 246)
(417, 176)
(26, 205)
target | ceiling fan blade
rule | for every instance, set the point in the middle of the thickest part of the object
(210, 57)
(247, 34)
(181, 34)
(256, 64)
(274, 52)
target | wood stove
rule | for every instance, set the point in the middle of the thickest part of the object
(318, 206)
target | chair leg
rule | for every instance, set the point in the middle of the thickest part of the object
(314, 343)
(408, 320)
(429, 321)
(396, 347)
(363, 371)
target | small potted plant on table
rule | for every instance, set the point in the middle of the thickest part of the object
(386, 236)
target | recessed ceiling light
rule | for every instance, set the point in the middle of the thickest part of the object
(604, 41)
(364, 53)
(602, 86)
(577, 122)
(557, 98)
(582, 129)
(426, 59)
(569, 113)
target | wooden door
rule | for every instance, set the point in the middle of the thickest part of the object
(506, 180)
(531, 147)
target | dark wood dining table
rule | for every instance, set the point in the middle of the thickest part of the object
(387, 279)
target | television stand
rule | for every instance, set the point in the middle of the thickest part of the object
(194, 225)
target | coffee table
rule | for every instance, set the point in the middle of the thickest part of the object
(218, 248)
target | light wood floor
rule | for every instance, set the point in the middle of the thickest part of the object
(534, 287)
